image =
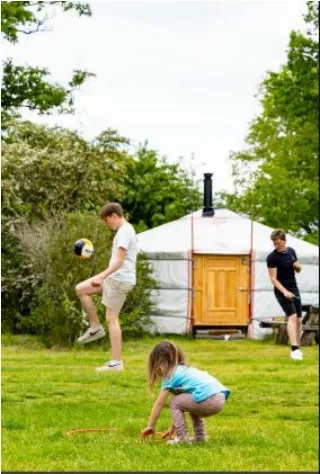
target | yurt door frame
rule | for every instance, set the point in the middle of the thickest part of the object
(221, 290)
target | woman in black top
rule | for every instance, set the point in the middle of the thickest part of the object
(282, 264)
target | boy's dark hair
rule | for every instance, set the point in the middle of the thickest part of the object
(111, 208)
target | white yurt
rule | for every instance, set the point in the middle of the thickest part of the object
(211, 271)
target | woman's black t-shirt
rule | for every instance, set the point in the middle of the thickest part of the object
(283, 262)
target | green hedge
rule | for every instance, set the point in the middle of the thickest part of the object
(56, 313)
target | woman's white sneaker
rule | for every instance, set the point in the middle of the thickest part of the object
(296, 355)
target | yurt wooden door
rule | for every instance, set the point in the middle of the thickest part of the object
(221, 290)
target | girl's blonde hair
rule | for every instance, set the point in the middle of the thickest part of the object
(163, 359)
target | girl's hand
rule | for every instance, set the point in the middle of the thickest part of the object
(168, 434)
(147, 432)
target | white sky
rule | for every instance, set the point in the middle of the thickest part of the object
(182, 75)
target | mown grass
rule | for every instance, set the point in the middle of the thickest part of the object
(270, 422)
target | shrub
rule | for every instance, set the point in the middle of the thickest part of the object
(56, 315)
(18, 280)
(46, 171)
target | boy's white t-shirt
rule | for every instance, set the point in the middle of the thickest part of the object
(125, 238)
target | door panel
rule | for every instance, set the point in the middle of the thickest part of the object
(221, 290)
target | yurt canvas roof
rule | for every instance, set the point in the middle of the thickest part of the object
(224, 233)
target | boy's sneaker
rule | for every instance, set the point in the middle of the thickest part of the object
(296, 355)
(111, 366)
(91, 334)
(177, 440)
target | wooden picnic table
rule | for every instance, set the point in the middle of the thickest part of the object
(310, 327)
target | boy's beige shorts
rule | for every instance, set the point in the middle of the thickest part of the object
(114, 293)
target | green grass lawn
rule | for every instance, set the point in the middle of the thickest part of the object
(270, 422)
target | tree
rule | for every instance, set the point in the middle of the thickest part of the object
(29, 87)
(46, 172)
(157, 192)
(23, 17)
(276, 177)
(49, 170)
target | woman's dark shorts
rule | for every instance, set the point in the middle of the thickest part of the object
(290, 307)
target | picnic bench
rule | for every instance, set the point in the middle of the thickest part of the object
(310, 326)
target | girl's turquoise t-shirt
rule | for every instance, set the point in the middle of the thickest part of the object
(197, 382)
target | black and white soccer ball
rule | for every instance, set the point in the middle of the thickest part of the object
(83, 249)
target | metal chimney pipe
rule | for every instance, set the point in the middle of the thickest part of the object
(208, 210)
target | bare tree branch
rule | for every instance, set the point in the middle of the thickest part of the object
(29, 32)
(40, 23)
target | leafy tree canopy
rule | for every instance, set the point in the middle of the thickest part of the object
(30, 87)
(276, 176)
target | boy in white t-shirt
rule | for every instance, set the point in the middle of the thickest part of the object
(113, 284)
